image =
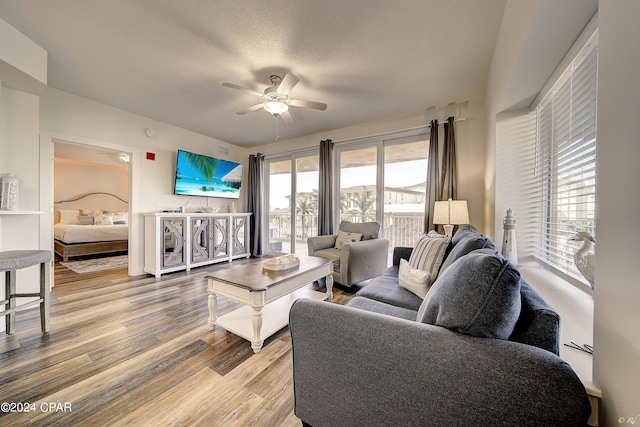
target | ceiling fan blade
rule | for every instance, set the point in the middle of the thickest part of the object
(286, 116)
(244, 89)
(287, 84)
(308, 104)
(250, 109)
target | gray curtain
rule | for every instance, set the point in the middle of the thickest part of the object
(449, 186)
(433, 178)
(325, 191)
(255, 183)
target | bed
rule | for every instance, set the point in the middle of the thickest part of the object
(91, 224)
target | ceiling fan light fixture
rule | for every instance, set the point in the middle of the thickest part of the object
(276, 107)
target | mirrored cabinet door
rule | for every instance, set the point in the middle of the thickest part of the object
(173, 242)
(239, 225)
(220, 233)
(201, 239)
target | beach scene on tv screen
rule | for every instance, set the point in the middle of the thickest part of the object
(200, 175)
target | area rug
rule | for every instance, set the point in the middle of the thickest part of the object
(97, 264)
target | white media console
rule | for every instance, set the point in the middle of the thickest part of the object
(181, 241)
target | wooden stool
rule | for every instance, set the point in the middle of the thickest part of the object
(10, 261)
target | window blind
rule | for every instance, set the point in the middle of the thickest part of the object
(565, 162)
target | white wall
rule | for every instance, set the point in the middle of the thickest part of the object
(67, 117)
(617, 290)
(516, 23)
(19, 156)
(72, 178)
(470, 146)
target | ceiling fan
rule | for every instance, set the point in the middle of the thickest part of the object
(275, 99)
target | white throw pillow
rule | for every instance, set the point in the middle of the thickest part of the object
(68, 217)
(346, 237)
(119, 217)
(414, 280)
(428, 253)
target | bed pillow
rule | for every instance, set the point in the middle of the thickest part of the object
(85, 220)
(103, 219)
(345, 237)
(68, 217)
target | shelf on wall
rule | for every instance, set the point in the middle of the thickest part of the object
(21, 212)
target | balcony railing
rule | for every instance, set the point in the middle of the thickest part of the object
(402, 229)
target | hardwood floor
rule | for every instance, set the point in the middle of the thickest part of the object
(137, 351)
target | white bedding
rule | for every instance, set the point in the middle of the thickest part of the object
(73, 233)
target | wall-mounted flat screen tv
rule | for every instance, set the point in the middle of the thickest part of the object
(200, 175)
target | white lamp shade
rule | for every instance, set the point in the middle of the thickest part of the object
(441, 212)
(458, 212)
(451, 212)
(276, 107)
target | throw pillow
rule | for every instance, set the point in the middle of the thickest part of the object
(369, 230)
(478, 295)
(463, 231)
(413, 280)
(119, 217)
(345, 237)
(68, 217)
(89, 212)
(428, 253)
(85, 220)
(470, 242)
(103, 219)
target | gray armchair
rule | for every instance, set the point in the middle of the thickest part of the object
(356, 261)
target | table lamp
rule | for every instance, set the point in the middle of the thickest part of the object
(450, 213)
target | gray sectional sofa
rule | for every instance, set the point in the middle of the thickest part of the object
(480, 349)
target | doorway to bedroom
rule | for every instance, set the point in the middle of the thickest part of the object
(91, 207)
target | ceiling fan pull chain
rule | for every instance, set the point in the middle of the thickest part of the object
(277, 127)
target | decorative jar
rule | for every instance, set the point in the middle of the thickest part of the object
(9, 200)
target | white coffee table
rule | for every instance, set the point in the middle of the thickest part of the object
(268, 295)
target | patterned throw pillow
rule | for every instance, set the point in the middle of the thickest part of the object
(119, 217)
(89, 212)
(345, 237)
(413, 280)
(103, 219)
(428, 253)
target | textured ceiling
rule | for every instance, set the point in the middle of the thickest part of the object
(167, 59)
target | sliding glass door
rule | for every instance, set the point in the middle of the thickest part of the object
(292, 187)
(405, 179)
(384, 180)
(358, 183)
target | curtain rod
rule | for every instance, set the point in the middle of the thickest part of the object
(301, 150)
(459, 119)
(375, 135)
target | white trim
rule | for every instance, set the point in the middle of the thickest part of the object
(292, 157)
(47, 139)
(394, 134)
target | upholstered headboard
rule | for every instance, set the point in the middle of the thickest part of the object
(91, 201)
